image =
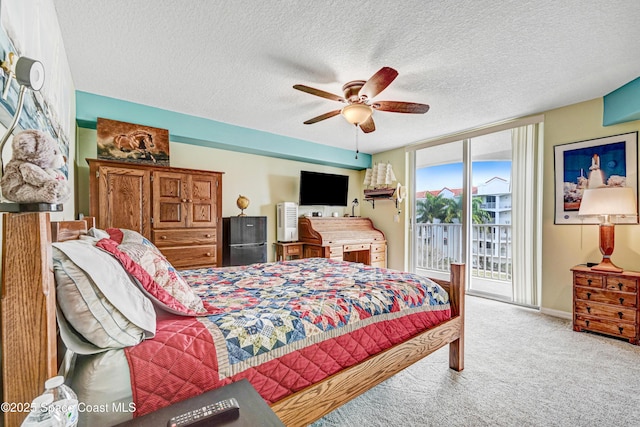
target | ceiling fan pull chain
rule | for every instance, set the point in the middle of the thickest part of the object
(357, 151)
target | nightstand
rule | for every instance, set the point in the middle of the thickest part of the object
(606, 302)
(289, 250)
(254, 411)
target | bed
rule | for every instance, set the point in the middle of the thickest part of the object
(29, 328)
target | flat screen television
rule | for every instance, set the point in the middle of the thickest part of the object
(323, 189)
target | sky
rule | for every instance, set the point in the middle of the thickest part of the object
(437, 177)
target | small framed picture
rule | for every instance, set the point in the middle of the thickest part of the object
(611, 161)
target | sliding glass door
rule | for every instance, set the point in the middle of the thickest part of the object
(477, 202)
(491, 233)
(437, 226)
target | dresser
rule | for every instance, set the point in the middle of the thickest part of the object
(343, 238)
(606, 302)
(177, 209)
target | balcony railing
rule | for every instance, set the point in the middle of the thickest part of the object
(438, 245)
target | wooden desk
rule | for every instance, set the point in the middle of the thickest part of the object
(254, 411)
(346, 238)
(288, 250)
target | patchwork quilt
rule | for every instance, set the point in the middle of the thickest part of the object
(283, 326)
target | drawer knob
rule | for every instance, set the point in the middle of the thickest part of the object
(620, 314)
(183, 200)
(208, 254)
(620, 328)
(588, 309)
(163, 237)
(620, 285)
(588, 295)
(589, 281)
(621, 300)
(189, 200)
(207, 235)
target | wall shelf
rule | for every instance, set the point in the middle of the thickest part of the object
(372, 200)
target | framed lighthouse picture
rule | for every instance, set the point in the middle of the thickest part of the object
(611, 161)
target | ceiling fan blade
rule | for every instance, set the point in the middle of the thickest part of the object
(319, 92)
(368, 125)
(378, 82)
(400, 107)
(322, 117)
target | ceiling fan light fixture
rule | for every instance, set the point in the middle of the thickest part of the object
(356, 113)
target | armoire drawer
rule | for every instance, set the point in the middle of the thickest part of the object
(183, 257)
(186, 237)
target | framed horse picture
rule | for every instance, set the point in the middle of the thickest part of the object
(129, 142)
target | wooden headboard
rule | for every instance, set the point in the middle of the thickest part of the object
(27, 306)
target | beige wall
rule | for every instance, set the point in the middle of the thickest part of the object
(266, 181)
(385, 216)
(564, 246)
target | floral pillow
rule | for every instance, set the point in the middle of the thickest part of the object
(158, 278)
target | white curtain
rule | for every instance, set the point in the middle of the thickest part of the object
(526, 212)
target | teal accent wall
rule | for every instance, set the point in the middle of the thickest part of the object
(622, 105)
(210, 133)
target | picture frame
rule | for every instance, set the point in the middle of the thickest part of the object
(610, 161)
(133, 143)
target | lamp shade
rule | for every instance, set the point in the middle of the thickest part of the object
(608, 201)
(356, 113)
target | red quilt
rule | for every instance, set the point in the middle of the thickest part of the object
(283, 326)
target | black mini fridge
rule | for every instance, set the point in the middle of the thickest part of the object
(244, 240)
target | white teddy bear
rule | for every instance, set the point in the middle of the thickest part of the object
(32, 175)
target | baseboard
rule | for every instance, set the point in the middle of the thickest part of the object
(557, 313)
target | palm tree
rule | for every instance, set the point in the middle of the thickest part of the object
(450, 210)
(453, 210)
(431, 208)
(478, 215)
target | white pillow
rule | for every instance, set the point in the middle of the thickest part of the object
(99, 303)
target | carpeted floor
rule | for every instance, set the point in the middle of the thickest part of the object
(522, 368)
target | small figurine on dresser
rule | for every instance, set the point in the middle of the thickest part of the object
(33, 174)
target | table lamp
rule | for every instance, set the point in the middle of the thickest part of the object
(607, 202)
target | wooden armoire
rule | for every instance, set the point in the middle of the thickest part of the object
(179, 210)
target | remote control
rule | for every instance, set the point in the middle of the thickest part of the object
(225, 409)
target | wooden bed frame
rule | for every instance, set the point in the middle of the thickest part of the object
(29, 342)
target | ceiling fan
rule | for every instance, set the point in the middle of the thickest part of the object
(358, 95)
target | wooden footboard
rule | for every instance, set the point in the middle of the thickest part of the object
(315, 401)
(29, 330)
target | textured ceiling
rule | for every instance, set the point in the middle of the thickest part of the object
(474, 62)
